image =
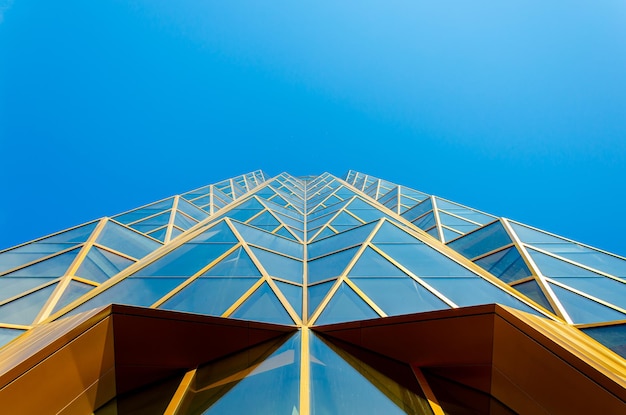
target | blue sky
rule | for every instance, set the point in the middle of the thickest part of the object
(517, 108)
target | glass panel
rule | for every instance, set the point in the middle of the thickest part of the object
(191, 210)
(484, 240)
(613, 337)
(183, 221)
(6, 335)
(424, 261)
(449, 234)
(175, 232)
(160, 234)
(418, 210)
(426, 221)
(342, 384)
(293, 294)
(212, 296)
(267, 240)
(345, 305)
(265, 221)
(100, 265)
(76, 235)
(53, 267)
(155, 221)
(369, 215)
(326, 232)
(142, 292)
(532, 290)
(507, 265)
(330, 266)
(554, 267)
(220, 232)
(372, 264)
(391, 234)
(473, 291)
(126, 241)
(284, 232)
(236, 264)
(12, 286)
(316, 294)
(137, 214)
(25, 309)
(74, 290)
(250, 382)
(583, 310)
(263, 305)
(350, 238)
(434, 233)
(27, 253)
(185, 260)
(279, 266)
(399, 295)
(600, 287)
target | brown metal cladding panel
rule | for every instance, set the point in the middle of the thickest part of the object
(95, 396)
(475, 376)
(523, 368)
(63, 376)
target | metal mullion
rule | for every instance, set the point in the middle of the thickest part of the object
(279, 279)
(322, 305)
(521, 281)
(450, 228)
(170, 223)
(279, 221)
(354, 216)
(466, 207)
(428, 392)
(554, 301)
(281, 297)
(433, 201)
(71, 270)
(145, 206)
(135, 222)
(136, 231)
(414, 277)
(327, 223)
(275, 252)
(85, 281)
(230, 310)
(194, 277)
(365, 297)
(15, 326)
(305, 372)
(569, 261)
(181, 392)
(602, 324)
(338, 250)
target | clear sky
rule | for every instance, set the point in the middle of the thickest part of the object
(517, 108)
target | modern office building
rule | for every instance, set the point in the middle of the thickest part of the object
(310, 295)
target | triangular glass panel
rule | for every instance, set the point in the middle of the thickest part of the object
(279, 266)
(372, 264)
(601, 287)
(24, 309)
(261, 385)
(345, 305)
(159, 234)
(613, 337)
(175, 232)
(185, 260)
(246, 210)
(532, 290)
(263, 305)
(265, 221)
(191, 210)
(434, 233)
(126, 241)
(269, 241)
(344, 219)
(459, 224)
(583, 310)
(100, 265)
(12, 286)
(481, 241)
(418, 210)
(316, 293)
(145, 211)
(426, 221)
(237, 264)
(152, 222)
(284, 232)
(6, 335)
(212, 296)
(424, 261)
(343, 384)
(399, 295)
(182, 221)
(293, 293)
(331, 265)
(24, 254)
(218, 233)
(473, 291)
(53, 267)
(76, 235)
(73, 291)
(508, 265)
(391, 234)
(340, 241)
(449, 234)
(551, 266)
(138, 291)
(326, 232)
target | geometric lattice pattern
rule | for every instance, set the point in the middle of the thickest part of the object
(306, 252)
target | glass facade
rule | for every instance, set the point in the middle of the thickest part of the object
(307, 252)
